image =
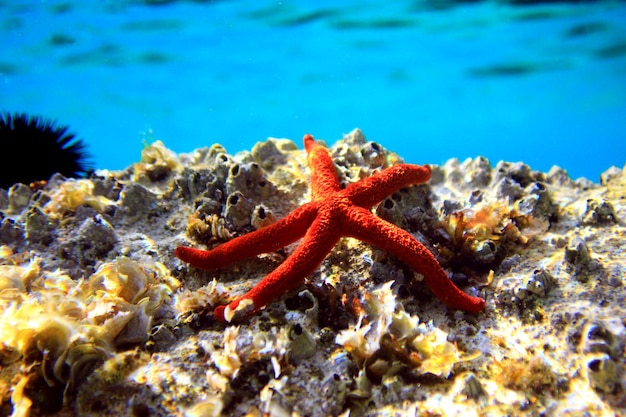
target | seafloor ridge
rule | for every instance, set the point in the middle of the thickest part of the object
(100, 318)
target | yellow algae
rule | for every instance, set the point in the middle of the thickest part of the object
(156, 163)
(21, 403)
(207, 407)
(54, 323)
(72, 194)
(438, 355)
(387, 327)
(5, 252)
(18, 277)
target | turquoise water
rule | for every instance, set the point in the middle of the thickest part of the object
(431, 80)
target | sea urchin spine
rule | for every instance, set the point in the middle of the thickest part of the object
(34, 148)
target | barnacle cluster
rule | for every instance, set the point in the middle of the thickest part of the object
(528, 291)
(55, 330)
(230, 195)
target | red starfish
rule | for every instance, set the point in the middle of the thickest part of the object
(332, 214)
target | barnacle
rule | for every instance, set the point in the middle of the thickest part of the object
(238, 210)
(302, 344)
(262, 217)
(602, 372)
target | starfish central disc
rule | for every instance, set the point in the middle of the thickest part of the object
(332, 214)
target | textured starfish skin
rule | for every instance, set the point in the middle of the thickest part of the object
(333, 213)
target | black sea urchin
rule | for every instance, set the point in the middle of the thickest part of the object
(34, 148)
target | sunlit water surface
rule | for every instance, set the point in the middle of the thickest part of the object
(540, 83)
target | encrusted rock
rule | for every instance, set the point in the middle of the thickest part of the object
(96, 238)
(559, 177)
(137, 200)
(599, 213)
(361, 339)
(478, 172)
(469, 386)
(4, 199)
(273, 152)
(19, 197)
(537, 202)
(577, 252)
(508, 188)
(11, 232)
(517, 172)
(40, 228)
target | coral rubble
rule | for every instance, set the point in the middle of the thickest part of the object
(99, 317)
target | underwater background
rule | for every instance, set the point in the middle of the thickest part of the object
(540, 82)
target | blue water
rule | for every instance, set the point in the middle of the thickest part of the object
(431, 80)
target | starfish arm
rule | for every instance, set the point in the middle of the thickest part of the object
(264, 240)
(384, 235)
(317, 243)
(374, 189)
(324, 179)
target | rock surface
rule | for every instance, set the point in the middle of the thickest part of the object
(99, 317)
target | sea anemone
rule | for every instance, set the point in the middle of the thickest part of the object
(35, 148)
